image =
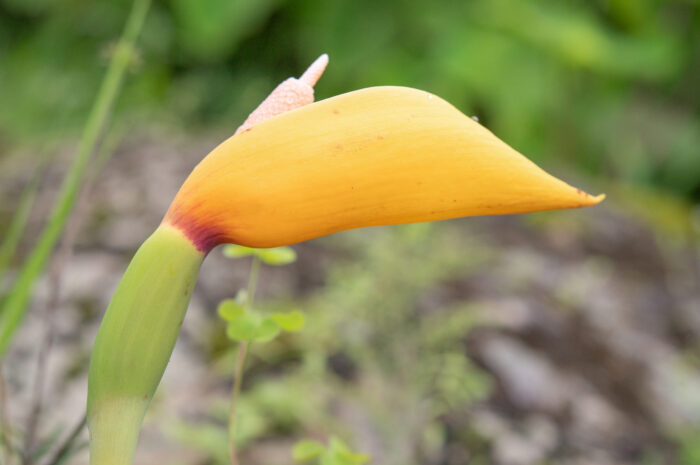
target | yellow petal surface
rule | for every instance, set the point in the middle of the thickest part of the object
(376, 156)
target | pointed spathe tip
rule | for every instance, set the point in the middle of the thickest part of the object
(590, 200)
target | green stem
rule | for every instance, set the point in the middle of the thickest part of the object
(65, 449)
(19, 221)
(15, 306)
(240, 363)
(5, 428)
(252, 282)
(135, 341)
(235, 394)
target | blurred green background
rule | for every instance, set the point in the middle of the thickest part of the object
(608, 86)
(567, 338)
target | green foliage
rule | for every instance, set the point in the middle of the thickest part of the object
(690, 448)
(15, 305)
(607, 86)
(270, 407)
(368, 311)
(238, 251)
(208, 438)
(404, 357)
(277, 256)
(247, 325)
(306, 450)
(250, 325)
(337, 453)
(15, 230)
(457, 381)
(230, 309)
(291, 322)
(212, 29)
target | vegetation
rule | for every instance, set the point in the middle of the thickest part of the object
(425, 343)
(606, 86)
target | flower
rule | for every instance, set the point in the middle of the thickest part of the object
(297, 170)
(376, 156)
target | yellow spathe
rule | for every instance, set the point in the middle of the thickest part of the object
(382, 155)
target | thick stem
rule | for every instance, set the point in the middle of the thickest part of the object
(114, 431)
(135, 340)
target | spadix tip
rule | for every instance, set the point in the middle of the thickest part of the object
(314, 72)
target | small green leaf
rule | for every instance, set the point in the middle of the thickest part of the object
(340, 453)
(277, 256)
(356, 459)
(337, 445)
(230, 309)
(267, 330)
(244, 327)
(238, 251)
(328, 458)
(291, 321)
(242, 296)
(345, 458)
(306, 450)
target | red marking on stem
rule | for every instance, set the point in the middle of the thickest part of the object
(203, 236)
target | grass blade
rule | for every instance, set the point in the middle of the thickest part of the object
(14, 307)
(18, 223)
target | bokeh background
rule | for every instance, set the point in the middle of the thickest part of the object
(552, 338)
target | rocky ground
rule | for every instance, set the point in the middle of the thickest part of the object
(585, 323)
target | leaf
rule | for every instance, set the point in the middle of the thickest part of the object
(267, 330)
(355, 458)
(230, 309)
(306, 450)
(211, 30)
(291, 321)
(277, 256)
(244, 327)
(342, 455)
(238, 251)
(248, 326)
(208, 438)
(15, 305)
(15, 231)
(242, 296)
(337, 445)
(345, 458)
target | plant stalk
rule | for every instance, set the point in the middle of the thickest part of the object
(243, 348)
(5, 426)
(14, 232)
(14, 308)
(61, 258)
(68, 443)
(135, 341)
(235, 394)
